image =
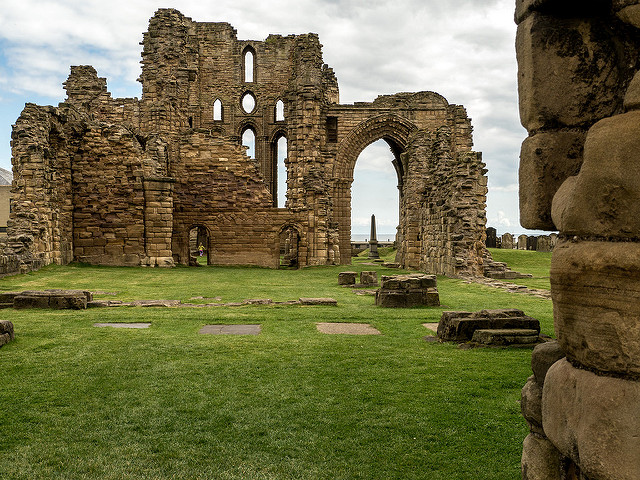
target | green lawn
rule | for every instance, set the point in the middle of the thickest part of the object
(526, 261)
(81, 402)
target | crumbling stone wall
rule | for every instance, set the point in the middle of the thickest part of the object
(122, 181)
(579, 97)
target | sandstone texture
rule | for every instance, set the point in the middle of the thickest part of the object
(400, 291)
(594, 420)
(461, 326)
(595, 289)
(579, 90)
(6, 332)
(127, 181)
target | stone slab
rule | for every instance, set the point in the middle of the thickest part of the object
(505, 336)
(231, 330)
(124, 325)
(318, 301)
(460, 326)
(335, 328)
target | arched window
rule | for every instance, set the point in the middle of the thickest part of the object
(248, 102)
(217, 111)
(249, 70)
(281, 171)
(279, 111)
(249, 141)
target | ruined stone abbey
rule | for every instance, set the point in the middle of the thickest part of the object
(124, 181)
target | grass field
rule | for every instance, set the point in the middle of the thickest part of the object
(81, 402)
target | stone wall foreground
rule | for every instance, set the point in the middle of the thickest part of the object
(579, 90)
(127, 181)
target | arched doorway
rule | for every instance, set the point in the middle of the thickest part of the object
(374, 191)
(199, 246)
(289, 247)
(395, 131)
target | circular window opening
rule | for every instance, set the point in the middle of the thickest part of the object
(248, 102)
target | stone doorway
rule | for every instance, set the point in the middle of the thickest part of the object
(395, 131)
(375, 190)
(199, 253)
(289, 245)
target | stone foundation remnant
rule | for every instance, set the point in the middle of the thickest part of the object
(368, 278)
(6, 332)
(579, 91)
(127, 181)
(55, 299)
(489, 327)
(347, 278)
(412, 290)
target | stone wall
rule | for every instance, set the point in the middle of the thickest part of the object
(579, 96)
(122, 181)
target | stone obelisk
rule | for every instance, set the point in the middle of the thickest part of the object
(373, 241)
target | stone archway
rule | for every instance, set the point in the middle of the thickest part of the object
(198, 241)
(289, 246)
(396, 131)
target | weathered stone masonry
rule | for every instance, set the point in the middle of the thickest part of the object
(123, 181)
(579, 89)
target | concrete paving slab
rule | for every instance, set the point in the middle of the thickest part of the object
(231, 330)
(347, 328)
(123, 325)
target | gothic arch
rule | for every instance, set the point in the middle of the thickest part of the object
(392, 128)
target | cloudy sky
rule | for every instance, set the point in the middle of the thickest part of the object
(462, 49)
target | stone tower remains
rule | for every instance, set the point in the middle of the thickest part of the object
(122, 181)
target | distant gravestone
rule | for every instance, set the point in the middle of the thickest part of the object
(490, 242)
(544, 243)
(522, 242)
(532, 243)
(507, 241)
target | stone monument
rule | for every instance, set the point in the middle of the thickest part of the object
(373, 241)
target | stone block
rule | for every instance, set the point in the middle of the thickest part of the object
(7, 297)
(541, 460)
(67, 301)
(6, 328)
(543, 356)
(594, 287)
(460, 326)
(369, 277)
(567, 76)
(593, 420)
(31, 301)
(347, 278)
(318, 301)
(531, 405)
(412, 290)
(604, 198)
(546, 160)
(505, 336)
